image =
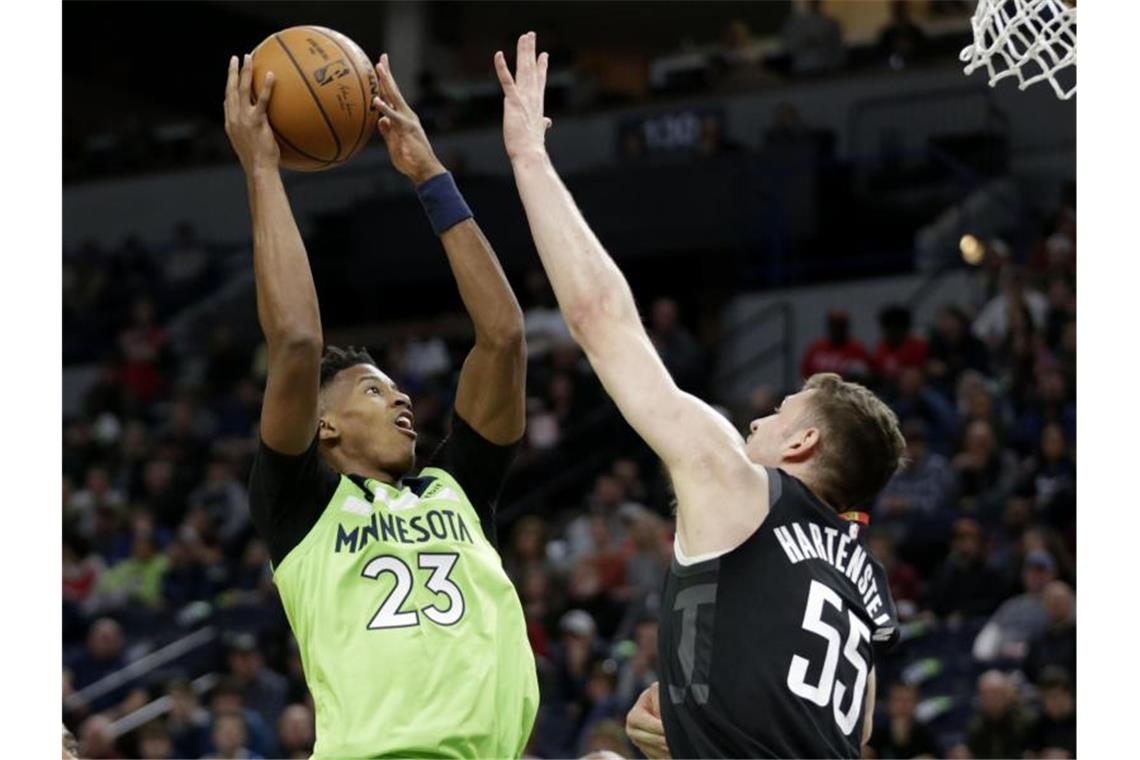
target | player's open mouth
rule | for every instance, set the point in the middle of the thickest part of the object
(406, 423)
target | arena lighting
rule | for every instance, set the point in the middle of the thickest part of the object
(972, 249)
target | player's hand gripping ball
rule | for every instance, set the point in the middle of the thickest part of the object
(321, 110)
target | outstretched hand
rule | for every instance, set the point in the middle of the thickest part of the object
(247, 124)
(408, 145)
(524, 125)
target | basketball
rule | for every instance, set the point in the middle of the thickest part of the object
(321, 110)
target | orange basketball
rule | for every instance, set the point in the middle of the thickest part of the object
(321, 110)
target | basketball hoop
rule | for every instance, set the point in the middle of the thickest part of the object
(1033, 40)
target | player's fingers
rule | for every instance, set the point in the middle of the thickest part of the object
(231, 85)
(397, 98)
(383, 78)
(385, 127)
(524, 62)
(394, 117)
(245, 80)
(543, 63)
(265, 94)
(504, 73)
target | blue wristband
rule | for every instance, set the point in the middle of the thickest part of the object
(443, 203)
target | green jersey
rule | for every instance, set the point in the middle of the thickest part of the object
(411, 634)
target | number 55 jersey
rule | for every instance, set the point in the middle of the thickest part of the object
(411, 635)
(767, 650)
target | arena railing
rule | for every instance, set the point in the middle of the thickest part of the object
(159, 707)
(142, 667)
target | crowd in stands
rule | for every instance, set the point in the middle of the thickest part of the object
(977, 531)
(810, 43)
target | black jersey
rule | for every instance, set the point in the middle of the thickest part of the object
(766, 651)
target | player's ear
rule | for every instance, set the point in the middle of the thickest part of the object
(326, 430)
(801, 445)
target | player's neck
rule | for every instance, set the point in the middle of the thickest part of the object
(349, 466)
(805, 474)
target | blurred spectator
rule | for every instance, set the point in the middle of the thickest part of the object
(223, 497)
(986, 472)
(296, 732)
(142, 348)
(903, 735)
(837, 351)
(994, 322)
(97, 740)
(604, 737)
(648, 561)
(813, 39)
(185, 266)
(902, 42)
(1051, 476)
(1020, 619)
(965, 586)
(1056, 646)
(136, 580)
(606, 501)
(81, 568)
(998, 729)
(102, 656)
(910, 397)
(901, 575)
(528, 547)
(154, 742)
(898, 348)
(542, 320)
(227, 700)
(678, 348)
(925, 482)
(639, 671)
(262, 690)
(188, 723)
(601, 703)
(741, 63)
(230, 738)
(1054, 732)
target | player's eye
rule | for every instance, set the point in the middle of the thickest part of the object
(375, 389)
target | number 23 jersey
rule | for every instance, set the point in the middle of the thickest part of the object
(767, 650)
(411, 635)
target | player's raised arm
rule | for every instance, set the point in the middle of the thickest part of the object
(704, 454)
(286, 297)
(491, 396)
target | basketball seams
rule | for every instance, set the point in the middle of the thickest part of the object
(298, 151)
(317, 100)
(363, 96)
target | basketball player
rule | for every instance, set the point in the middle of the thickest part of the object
(772, 602)
(411, 635)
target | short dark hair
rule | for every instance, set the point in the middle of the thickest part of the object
(337, 359)
(863, 447)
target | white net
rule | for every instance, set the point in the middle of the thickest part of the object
(1033, 40)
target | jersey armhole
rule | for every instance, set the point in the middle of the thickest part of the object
(302, 546)
(775, 490)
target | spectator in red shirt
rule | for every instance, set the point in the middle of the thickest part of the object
(837, 351)
(899, 347)
(142, 344)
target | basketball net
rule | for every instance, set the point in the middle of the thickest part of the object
(1033, 40)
